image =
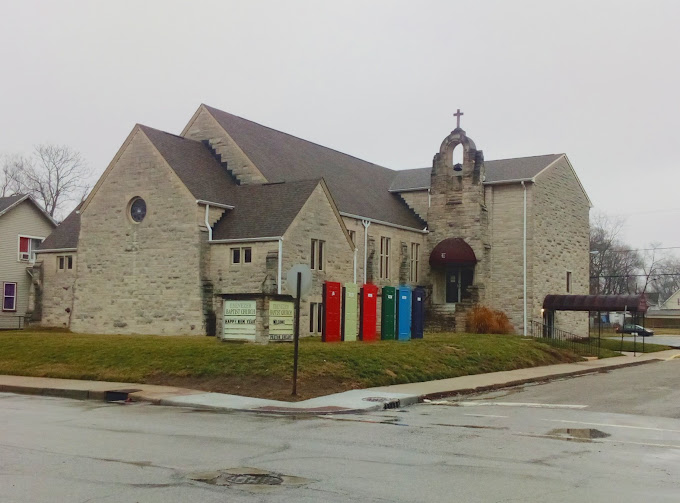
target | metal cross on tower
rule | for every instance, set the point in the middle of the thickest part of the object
(457, 116)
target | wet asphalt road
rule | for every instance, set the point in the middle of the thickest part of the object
(604, 437)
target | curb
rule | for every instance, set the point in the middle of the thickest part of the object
(519, 382)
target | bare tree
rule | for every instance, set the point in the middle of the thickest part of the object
(9, 175)
(613, 264)
(667, 281)
(54, 175)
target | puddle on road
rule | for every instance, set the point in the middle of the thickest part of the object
(473, 426)
(248, 478)
(578, 434)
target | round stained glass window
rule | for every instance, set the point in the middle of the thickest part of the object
(138, 210)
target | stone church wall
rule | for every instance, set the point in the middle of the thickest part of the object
(418, 201)
(506, 288)
(561, 226)
(317, 220)
(57, 290)
(139, 277)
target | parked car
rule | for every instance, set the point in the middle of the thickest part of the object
(629, 329)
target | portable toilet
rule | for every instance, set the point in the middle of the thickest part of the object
(332, 302)
(368, 315)
(388, 313)
(418, 313)
(404, 313)
(350, 310)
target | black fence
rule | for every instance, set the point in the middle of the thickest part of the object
(12, 322)
(584, 346)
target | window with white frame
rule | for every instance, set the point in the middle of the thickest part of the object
(317, 254)
(569, 285)
(242, 255)
(415, 258)
(384, 258)
(27, 247)
(315, 317)
(64, 262)
(9, 296)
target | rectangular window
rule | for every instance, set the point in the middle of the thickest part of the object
(352, 236)
(384, 258)
(415, 258)
(568, 281)
(9, 296)
(65, 262)
(27, 248)
(317, 254)
(241, 255)
(315, 317)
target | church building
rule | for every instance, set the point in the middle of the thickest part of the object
(176, 222)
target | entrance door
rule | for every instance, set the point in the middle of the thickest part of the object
(452, 285)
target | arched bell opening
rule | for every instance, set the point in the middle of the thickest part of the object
(457, 158)
(452, 263)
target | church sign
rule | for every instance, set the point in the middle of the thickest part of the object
(239, 319)
(281, 321)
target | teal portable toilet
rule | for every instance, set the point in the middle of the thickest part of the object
(404, 313)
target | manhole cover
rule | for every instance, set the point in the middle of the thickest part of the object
(247, 477)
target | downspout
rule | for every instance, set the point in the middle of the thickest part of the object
(366, 224)
(207, 222)
(524, 246)
(278, 282)
(355, 264)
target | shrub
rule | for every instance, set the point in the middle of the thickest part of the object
(483, 320)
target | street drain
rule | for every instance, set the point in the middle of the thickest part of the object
(249, 477)
(578, 434)
(388, 403)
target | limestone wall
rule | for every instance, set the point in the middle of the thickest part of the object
(317, 220)
(139, 277)
(418, 201)
(506, 224)
(561, 227)
(57, 290)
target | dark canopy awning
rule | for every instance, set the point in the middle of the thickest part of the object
(452, 251)
(632, 303)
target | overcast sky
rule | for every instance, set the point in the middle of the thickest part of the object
(379, 80)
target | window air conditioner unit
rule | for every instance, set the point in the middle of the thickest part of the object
(24, 256)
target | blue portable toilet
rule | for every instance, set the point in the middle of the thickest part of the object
(404, 313)
(418, 313)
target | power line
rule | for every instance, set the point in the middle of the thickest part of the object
(637, 275)
(594, 252)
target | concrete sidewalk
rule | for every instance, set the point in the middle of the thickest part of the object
(362, 400)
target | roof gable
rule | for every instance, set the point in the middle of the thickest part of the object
(358, 187)
(8, 203)
(195, 166)
(263, 211)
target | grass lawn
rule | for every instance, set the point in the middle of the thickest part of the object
(615, 345)
(265, 370)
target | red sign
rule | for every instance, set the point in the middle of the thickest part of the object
(369, 309)
(332, 303)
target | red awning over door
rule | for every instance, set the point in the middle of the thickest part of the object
(452, 251)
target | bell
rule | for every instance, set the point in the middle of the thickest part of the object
(458, 167)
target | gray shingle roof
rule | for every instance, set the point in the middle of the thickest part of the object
(194, 164)
(263, 210)
(66, 235)
(358, 187)
(6, 202)
(519, 168)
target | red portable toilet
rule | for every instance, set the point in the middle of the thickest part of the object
(332, 306)
(368, 315)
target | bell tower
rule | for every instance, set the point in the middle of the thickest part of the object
(458, 211)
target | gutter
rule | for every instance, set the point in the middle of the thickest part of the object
(382, 222)
(524, 252)
(57, 250)
(247, 240)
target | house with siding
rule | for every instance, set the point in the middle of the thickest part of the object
(177, 222)
(23, 226)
